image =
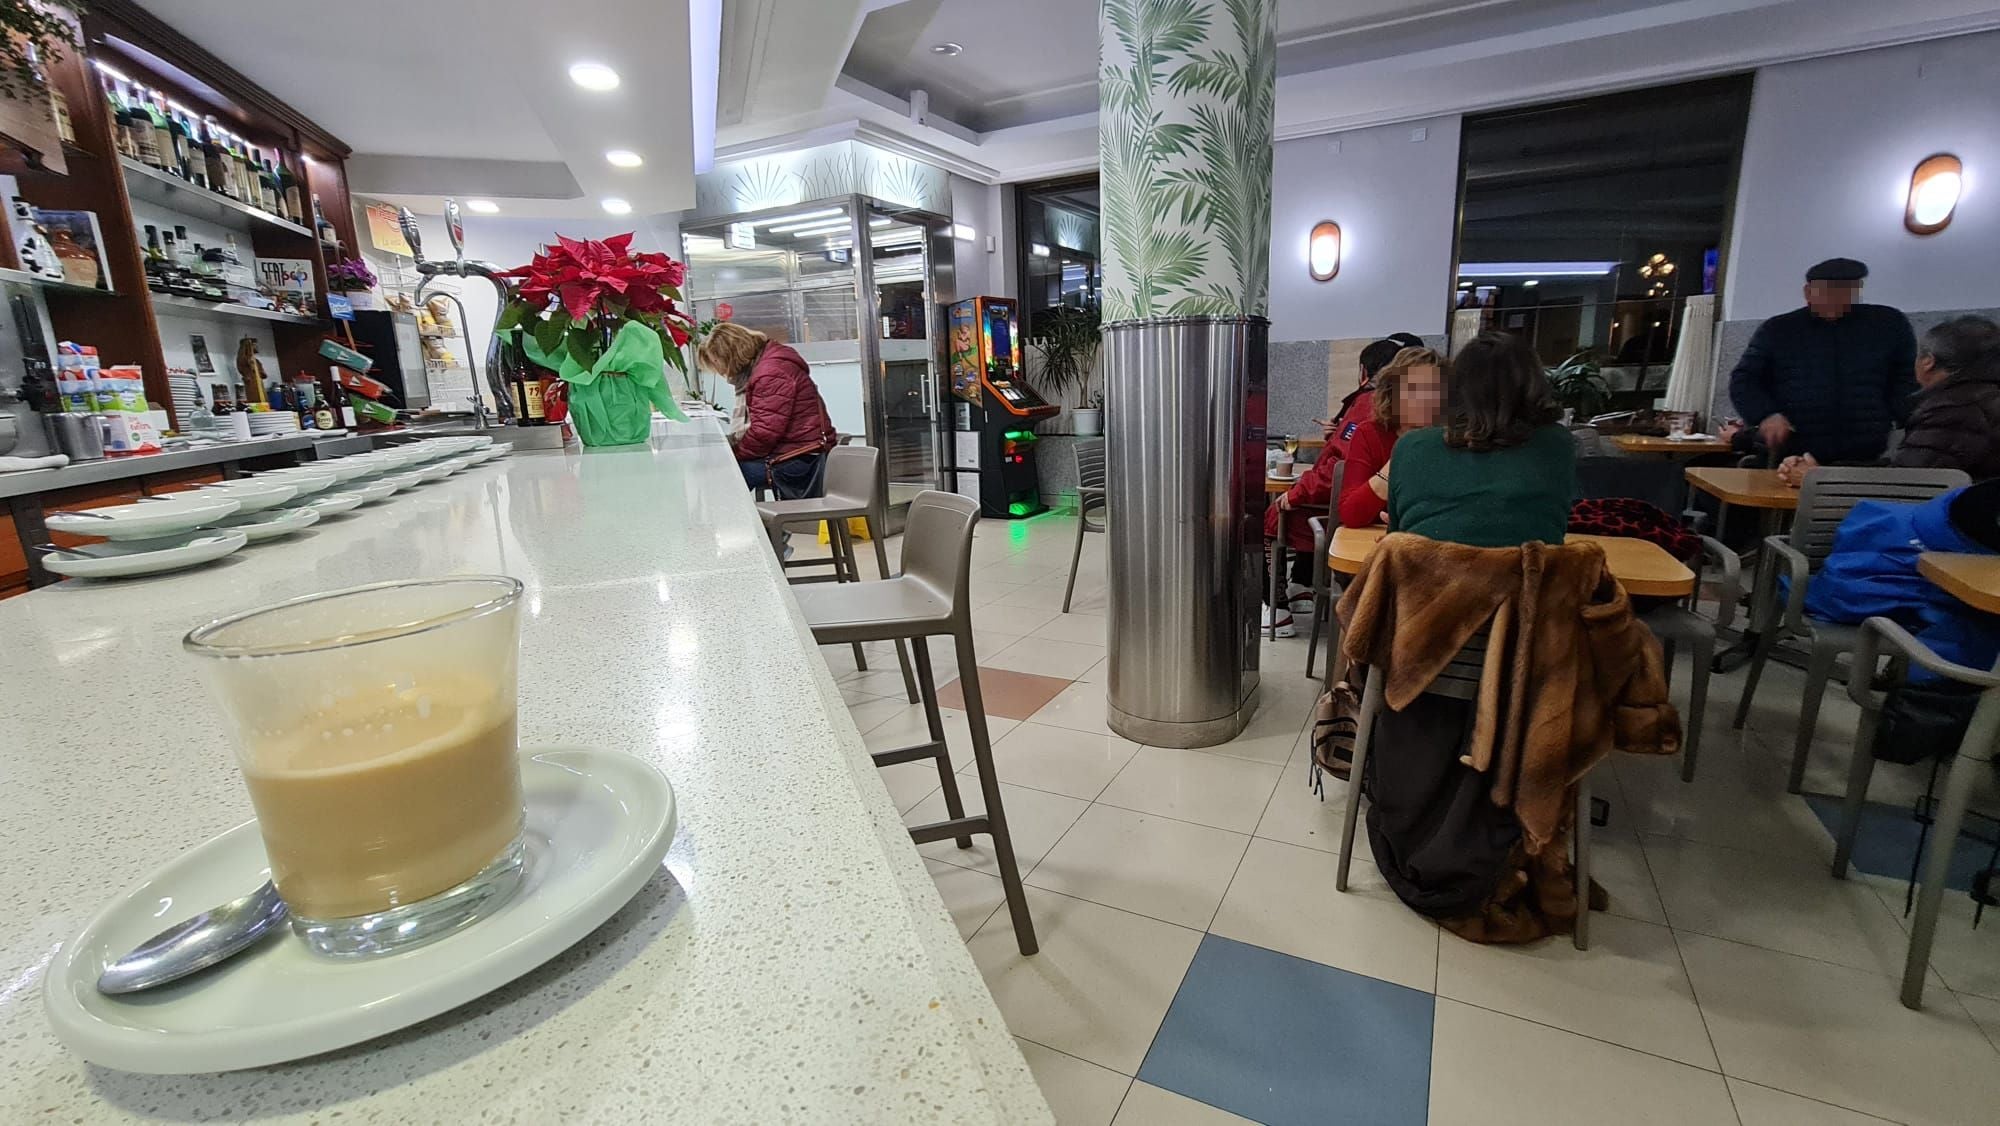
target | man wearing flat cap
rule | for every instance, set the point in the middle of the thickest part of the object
(1831, 379)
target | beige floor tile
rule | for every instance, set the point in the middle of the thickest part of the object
(1201, 786)
(1035, 819)
(1298, 816)
(970, 896)
(1762, 1106)
(1077, 625)
(880, 678)
(1147, 1105)
(1080, 1093)
(1778, 902)
(1059, 760)
(1100, 985)
(1099, 673)
(1628, 988)
(1966, 958)
(1618, 864)
(1047, 656)
(1092, 597)
(909, 783)
(1138, 862)
(1736, 800)
(1841, 1036)
(1986, 1012)
(1080, 707)
(986, 592)
(860, 693)
(1283, 899)
(1273, 730)
(1010, 619)
(1495, 1070)
(1041, 596)
(907, 727)
(873, 712)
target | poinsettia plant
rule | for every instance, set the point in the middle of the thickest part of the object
(350, 275)
(575, 295)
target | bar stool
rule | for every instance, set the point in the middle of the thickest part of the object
(930, 599)
(853, 476)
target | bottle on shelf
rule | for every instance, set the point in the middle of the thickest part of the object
(229, 252)
(163, 133)
(114, 110)
(267, 183)
(213, 158)
(188, 254)
(186, 158)
(327, 233)
(288, 185)
(156, 258)
(137, 126)
(246, 181)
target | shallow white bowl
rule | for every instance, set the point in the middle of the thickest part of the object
(147, 519)
(124, 559)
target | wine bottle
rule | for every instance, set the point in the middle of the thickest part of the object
(138, 129)
(156, 258)
(163, 134)
(185, 157)
(212, 158)
(288, 184)
(114, 111)
(267, 182)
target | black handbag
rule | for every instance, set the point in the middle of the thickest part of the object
(1924, 721)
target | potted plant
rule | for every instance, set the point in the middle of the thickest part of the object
(1578, 386)
(1068, 337)
(353, 278)
(607, 321)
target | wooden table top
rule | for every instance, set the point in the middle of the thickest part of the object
(1972, 579)
(1748, 488)
(1649, 444)
(1642, 565)
(1275, 485)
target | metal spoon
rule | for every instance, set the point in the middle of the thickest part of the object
(196, 944)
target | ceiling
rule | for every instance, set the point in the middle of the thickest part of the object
(471, 98)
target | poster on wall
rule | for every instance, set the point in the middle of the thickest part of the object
(385, 230)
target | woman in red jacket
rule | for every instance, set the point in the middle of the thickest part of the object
(788, 431)
(1409, 395)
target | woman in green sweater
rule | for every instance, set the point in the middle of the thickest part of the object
(1500, 472)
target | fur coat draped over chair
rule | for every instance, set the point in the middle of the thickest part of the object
(1570, 675)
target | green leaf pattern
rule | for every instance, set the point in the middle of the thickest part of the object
(1187, 88)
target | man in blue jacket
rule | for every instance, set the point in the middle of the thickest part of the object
(1830, 379)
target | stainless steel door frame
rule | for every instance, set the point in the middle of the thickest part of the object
(868, 313)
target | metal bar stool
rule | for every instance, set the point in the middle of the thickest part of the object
(929, 599)
(1089, 499)
(1459, 680)
(854, 489)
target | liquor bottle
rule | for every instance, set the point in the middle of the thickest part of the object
(327, 232)
(189, 253)
(267, 183)
(288, 185)
(212, 158)
(114, 110)
(246, 181)
(137, 126)
(156, 257)
(185, 156)
(163, 133)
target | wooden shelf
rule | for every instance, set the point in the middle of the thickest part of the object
(174, 303)
(23, 277)
(155, 186)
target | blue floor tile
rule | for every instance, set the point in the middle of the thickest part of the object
(1281, 1040)
(1887, 841)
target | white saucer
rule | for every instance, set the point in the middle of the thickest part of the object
(250, 494)
(146, 519)
(434, 470)
(333, 504)
(308, 480)
(372, 491)
(129, 558)
(598, 825)
(270, 525)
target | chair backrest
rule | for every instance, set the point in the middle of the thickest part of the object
(1589, 441)
(1661, 483)
(937, 544)
(853, 474)
(1090, 463)
(1832, 491)
(1339, 483)
(1460, 678)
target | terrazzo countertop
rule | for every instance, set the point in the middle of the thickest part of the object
(790, 963)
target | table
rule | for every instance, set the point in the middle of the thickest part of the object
(1975, 581)
(1641, 565)
(790, 962)
(1762, 490)
(1649, 444)
(1273, 486)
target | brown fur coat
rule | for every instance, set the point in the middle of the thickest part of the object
(1571, 674)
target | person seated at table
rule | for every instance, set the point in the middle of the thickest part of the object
(788, 434)
(1956, 421)
(1359, 405)
(1409, 395)
(1500, 471)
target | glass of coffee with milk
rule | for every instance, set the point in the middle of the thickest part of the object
(375, 728)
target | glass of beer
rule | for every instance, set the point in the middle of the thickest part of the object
(375, 727)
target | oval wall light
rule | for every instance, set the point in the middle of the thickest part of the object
(1323, 250)
(1934, 191)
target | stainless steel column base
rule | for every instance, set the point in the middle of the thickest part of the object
(1181, 734)
(1184, 482)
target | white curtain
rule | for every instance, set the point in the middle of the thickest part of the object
(1691, 381)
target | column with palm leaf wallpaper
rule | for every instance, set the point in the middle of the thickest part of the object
(1187, 88)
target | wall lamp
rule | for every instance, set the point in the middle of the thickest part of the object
(1323, 250)
(1934, 190)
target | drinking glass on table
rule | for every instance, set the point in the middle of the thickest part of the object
(375, 728)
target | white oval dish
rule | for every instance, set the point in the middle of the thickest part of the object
(309, 481)
(333, 504)
(147, 519)
(598, 826)
(251, 494)
(261, 526)
(124, 559)
(372, 491)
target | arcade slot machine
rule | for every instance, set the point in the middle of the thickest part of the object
(997, 411)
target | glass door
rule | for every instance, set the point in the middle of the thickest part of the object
(899, 274)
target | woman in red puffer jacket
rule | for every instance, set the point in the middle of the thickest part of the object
(788, 432)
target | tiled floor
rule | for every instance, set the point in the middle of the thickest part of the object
(1197, 965)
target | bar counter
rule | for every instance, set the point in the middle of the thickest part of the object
(791, 962)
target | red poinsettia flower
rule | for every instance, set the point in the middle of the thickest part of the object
(593, 277)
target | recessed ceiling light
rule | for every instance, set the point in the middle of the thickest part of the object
(483, 206)
(593, 76)
(948, 50)
(617, 206)
(624, 158)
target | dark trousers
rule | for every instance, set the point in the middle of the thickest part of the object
(789, 479)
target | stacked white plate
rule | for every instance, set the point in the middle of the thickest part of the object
(134, 557)
(332, 504)
(252, 494)
(186, 393)
(148, 519)
(374, 489)
(307, 479)
(257, 526)
(264, 423)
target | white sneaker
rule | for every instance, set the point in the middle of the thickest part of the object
(1300, 598)
(1284, 623)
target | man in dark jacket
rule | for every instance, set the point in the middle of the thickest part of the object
(1831, 379)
